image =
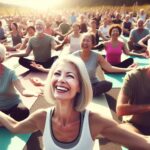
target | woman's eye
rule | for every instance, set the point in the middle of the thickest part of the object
(56, 73)
(70, 76)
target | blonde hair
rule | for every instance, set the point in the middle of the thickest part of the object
(2, 52)
(83, 98)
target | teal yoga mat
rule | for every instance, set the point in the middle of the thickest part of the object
(116, 79)
(123, 148)
(10, 141)
(141, 61)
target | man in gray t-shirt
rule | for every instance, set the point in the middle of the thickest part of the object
(41, 45)
(136, 35)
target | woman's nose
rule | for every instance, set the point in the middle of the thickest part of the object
(61, 78)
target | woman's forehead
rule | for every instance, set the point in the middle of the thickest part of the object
(63, 65)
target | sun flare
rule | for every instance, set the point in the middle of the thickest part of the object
(36, 4)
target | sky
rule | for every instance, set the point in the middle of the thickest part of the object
(40, 4)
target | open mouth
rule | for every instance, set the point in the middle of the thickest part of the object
(61, 89)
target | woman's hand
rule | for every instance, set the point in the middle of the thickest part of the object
(145, 55)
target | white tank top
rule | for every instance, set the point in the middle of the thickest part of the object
(83, 141)
(74, 44)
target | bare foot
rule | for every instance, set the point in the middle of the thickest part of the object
(37, 81)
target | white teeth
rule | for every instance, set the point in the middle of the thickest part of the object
(62, 88)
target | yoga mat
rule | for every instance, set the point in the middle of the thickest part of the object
(11, 63)
(10, 141)
(141, 61)
(116, 79)
(99, 104)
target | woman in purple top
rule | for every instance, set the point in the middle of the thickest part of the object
(114, 49)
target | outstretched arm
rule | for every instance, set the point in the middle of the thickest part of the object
(116, 133)
(109, 68)
(30, 124)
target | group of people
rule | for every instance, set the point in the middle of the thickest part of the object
(71, 83)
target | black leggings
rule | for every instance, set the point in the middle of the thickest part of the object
(18, 112)
(27, 63)
(101, 87)
(125, 64)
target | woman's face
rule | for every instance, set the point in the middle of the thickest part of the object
(76, 28)
(31, 32)
(93, 24)
(65, 82)
(115, 32)
(13, 27)
(86, 43)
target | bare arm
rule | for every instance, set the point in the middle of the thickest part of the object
(22, 54)
(124, 108)
(131, 53)
(143, 40)
(116, 133)
(109, 68)
(24, 44)
(30, 124)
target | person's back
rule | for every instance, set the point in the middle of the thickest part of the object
(8, 95)
(64, 28)
(137, 87)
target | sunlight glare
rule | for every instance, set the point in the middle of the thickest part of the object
(36, 4)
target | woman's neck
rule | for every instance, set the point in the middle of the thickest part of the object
(114, 39)
(85, 54)
(66, 115)
(76, 34)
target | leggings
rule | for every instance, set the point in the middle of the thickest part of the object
(125, 64)
(18, 112)
(27, 63)
(101, 87)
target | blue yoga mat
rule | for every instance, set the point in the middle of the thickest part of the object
(116, 79)
(10, 141)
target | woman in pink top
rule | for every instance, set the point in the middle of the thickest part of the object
(114, 49)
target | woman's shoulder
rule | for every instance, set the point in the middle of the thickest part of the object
(42, 112)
